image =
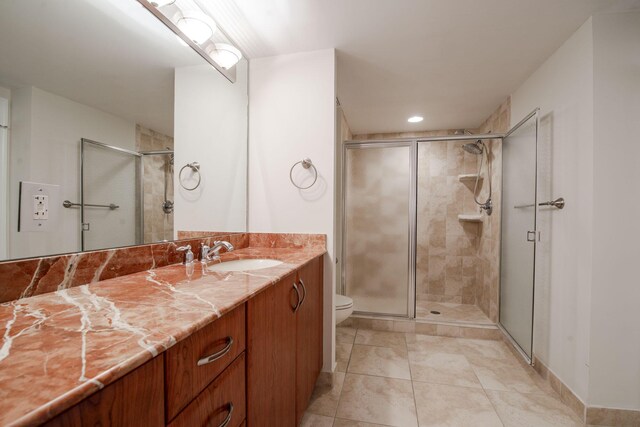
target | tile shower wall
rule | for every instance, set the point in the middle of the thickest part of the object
(447, 249)
(488, 267)
(157, 224)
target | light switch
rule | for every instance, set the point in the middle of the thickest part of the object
(40, 207)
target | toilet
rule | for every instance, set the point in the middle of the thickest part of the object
(344, 308)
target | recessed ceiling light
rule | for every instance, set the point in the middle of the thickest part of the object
(415, 119)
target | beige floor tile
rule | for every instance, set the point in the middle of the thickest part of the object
(380, 338)
(485, 348)
(345, 334)
(507, 375)
(324, 400)
(387, 401)
(432, 344)
(443, 405)
(379, 361)
(442, 368)
(343, 353)
(349, 423)
(313, 420)
(531, 410)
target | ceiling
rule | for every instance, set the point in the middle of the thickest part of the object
(111, 55)
(451, 61)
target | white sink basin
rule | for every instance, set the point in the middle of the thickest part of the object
(244, 265)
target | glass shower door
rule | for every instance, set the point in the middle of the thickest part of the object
(379, 214)
(110, 196)
(519, 233)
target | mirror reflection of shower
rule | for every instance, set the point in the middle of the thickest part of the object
(479, 148)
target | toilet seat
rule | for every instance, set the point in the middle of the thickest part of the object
(343, 302)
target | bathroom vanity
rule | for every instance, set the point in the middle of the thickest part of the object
(170, 346)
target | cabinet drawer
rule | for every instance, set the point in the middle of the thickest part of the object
(223, 399)
(193, 363)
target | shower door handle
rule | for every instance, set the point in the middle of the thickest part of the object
(531, 236)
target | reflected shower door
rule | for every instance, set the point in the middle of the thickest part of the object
(519, 232)
(110, 176)
(379, 214)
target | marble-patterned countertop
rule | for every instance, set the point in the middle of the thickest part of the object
(58, 348)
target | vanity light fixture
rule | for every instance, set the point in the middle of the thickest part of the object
(224, 54)
(415, 119)
(197, 26)
(162, 3)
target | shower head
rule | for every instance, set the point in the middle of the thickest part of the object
(474, 147)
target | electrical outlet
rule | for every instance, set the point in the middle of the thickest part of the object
(40, 207)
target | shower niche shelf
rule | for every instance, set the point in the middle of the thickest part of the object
(470, 218)
(468, 177)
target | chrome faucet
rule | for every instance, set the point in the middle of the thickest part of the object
(210, 253)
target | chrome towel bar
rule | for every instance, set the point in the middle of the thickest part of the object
(68, 204)
(557, 203)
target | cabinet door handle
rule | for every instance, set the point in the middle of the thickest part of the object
(227, 420)
(297, 306)
(215, 356)
(304, 288)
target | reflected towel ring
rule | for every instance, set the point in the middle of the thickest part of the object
(306, 163)
(195, 168)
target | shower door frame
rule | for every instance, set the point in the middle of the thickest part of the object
(530, 359)
(413, 142)
(139, 156)
(411, 265)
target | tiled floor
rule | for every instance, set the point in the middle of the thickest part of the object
(451, 312)
(397, 379)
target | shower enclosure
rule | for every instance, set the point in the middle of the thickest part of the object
(416, 243)
(115, 194)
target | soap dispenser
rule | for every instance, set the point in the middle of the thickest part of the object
(188, 259)
(188, 256)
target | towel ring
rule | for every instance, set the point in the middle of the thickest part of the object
(195, 168)
(306, 163)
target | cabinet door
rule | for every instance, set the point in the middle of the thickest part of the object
(134, 400)
(308, 334)
(271, 359)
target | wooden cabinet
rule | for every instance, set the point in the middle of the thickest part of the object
(137, 396)
(308, 334)
(284, 346)
(271, 355)
(257, 366)
(194, 362)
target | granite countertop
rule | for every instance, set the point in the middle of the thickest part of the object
(58, 348)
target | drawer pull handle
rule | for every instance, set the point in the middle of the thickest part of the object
(227, 420)
(297, 306)
(218, 355)
(304, 288)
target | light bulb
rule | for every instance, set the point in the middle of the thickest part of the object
(225, 55)
(415, 119)
(161, 3)
(198, 27)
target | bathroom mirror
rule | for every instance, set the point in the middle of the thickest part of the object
(113, 131)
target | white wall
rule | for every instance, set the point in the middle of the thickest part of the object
(5, 96)
(211, 128)
(615, 314)
(45, 147)
(292, 116)
(563, 88)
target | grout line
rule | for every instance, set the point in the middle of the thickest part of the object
(413, 389)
